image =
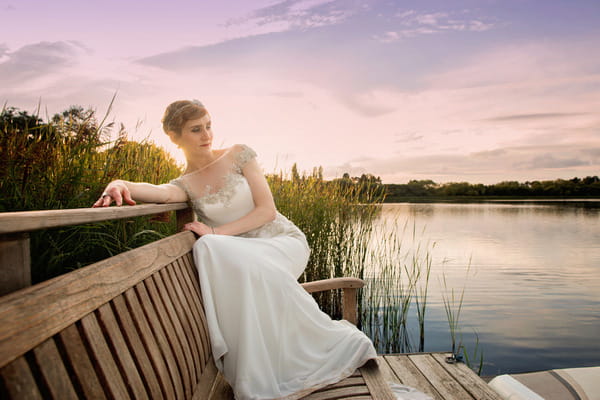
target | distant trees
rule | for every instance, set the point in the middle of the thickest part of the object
(576, 187)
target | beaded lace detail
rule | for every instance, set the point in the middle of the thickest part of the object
(224, 194)
(243, 156)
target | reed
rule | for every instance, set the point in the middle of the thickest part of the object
(65, 162)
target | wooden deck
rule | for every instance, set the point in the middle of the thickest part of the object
(429, 373)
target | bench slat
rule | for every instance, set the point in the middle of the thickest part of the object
(70, 341)
(172, 300)
(190, 270)
(189, 323)
(195, 313)
(18, 381)
(128, 304)
(103, 359)
(173, 333)
(39, 312)
(53, 372)
(121, 351)
(161, 338)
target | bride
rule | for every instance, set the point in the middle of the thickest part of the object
(269, 338)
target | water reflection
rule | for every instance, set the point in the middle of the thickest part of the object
(533, 288)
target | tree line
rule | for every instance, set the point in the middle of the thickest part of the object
(575, 187)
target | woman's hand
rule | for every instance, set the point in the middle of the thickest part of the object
(199, 228)
(117, 191)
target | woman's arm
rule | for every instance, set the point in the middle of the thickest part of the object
(130, 192)
(264, 207)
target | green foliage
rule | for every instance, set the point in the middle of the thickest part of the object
(576, 187)
(65, 163)
(336, 219)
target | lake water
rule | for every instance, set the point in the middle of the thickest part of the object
(532, 291)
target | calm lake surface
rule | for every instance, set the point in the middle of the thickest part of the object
(531, 272)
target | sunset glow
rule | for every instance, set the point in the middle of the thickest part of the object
(477, 91)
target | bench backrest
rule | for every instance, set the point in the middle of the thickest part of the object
(132, 326)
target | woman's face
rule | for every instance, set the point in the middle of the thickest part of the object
(196, 135)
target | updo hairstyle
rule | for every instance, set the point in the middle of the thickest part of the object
(181, 111)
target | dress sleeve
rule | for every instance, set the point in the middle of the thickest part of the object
(242, 155)
(180, 184)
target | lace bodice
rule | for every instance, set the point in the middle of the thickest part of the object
(219, 193)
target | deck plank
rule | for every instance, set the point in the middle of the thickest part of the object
(411, 376)
(444, 383)
(467, 378)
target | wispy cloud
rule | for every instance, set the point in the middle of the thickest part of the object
(408, 137)
(37, 60)
(534, 116)
(525, 162)
(413, 23)
(298, 14)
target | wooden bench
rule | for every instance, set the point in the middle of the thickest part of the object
(131, 326)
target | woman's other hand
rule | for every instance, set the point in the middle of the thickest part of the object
(199, 228)
(117, 191)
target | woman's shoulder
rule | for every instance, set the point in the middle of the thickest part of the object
(241, 154)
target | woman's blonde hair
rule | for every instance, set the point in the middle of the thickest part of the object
(181, 111)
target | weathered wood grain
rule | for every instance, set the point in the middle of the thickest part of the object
(378, 387)
(410, 375)
(111, 377)
(69, 339)
(173, 333)
(442, 381)
(39, 312)
(467, 378)
(163, 339)
(149, 340)
(195, 311)
(53, 371)
(175, 299)
(27, 221)
(186, 314)
(19, 382)
(349, 309)
(15, 262)
(122, 353)
(333, 283)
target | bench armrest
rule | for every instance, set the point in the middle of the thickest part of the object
(349, 286)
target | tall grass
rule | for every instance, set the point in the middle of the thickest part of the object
(65, 162)
(336, 218)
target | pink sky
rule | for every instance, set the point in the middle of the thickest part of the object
(478, 91)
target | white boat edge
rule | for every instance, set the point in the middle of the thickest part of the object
(564, 384)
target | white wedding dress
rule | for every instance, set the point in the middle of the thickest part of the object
(269, 338)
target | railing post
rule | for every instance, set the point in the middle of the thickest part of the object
(349, 308)
(183, 217)
(15, 262)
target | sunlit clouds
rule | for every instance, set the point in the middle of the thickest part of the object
(460, 91)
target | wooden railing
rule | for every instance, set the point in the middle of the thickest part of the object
(15, 258)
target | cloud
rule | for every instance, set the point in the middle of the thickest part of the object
(297, 14)
(37, 60)
(519, 163)
(534, 116)
(414, 23)
(408, 137)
